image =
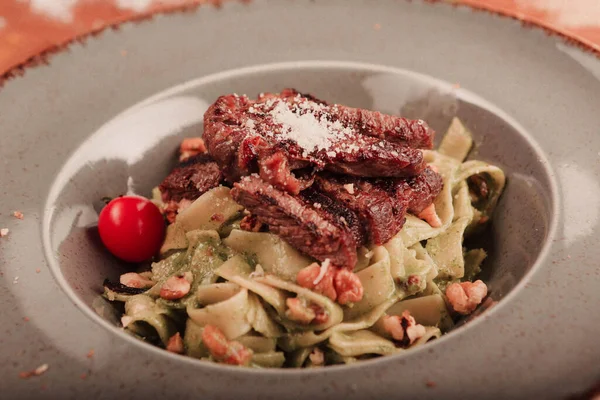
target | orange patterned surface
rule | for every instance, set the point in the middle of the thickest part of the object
(28, 27)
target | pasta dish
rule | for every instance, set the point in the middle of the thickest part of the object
(303, 234)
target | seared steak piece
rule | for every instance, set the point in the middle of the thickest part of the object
(381, 214)
(417, 192)
(190, 179)
(337, 213)
(407, 132)
(277, 134)
(297, 221)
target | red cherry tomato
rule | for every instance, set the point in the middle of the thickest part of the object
(132, 228)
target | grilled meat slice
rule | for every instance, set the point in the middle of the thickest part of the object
(416, 192)
(381, 214)
(280, 133)
(190, 179)
(337, 212)
(308, 229)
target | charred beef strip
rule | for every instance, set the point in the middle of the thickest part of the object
(297, 221)
(336, 212)
(381, 215)
(191, 178)
(417, 192)
(277, 134)
(411, 133)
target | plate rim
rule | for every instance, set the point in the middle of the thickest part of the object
(540, 261)
(44, 56)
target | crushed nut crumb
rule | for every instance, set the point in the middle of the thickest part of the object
(317, 357)
(90, 353)
(18, 214)
(4, 232)
(36, 372)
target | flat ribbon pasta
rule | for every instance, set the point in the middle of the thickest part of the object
(275, 255)
(244, 283)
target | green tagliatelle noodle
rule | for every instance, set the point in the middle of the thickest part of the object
(242, 281)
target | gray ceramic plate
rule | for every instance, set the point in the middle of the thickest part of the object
(73, 132)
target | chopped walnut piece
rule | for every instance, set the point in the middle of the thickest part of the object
(348, 287)
(190, 147)
(223, 350)
(317, 357)
(217, 217)
(36, 372)
(464, 297)
(337, 284)
(135, 280)
(177, 286)
(320, 315)
(308, 276)
(299, 312)
(403, 328)
(175, 344)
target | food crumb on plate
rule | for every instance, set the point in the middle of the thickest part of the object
(18, 214)
(36, 372)
(430, 384)
(90, 353)
(123, 53)
(26, 319)
(4, 232)
(16, 280)
(37, 270)
(377, 27)
(83, 376)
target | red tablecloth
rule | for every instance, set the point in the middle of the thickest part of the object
(28, 27)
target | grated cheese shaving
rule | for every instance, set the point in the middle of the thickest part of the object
(322, 272)
(306, 129)
(307, 125)
(41, 369)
